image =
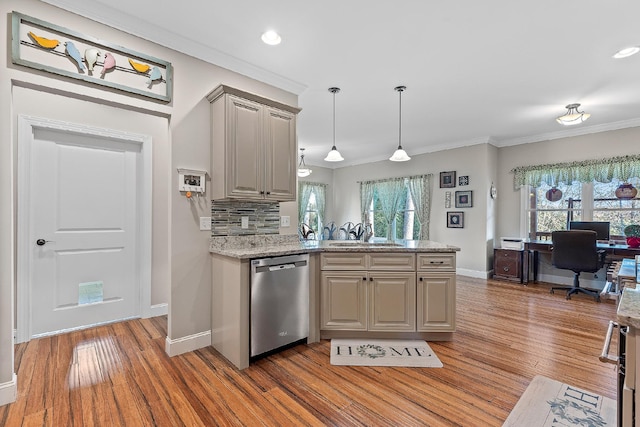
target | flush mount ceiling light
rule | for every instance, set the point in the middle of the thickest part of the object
(303, 170)
(573, 116)
(271, 37)
(334, 155)
(400, 155)
(626, 52)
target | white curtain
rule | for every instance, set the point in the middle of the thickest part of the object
(420, 189)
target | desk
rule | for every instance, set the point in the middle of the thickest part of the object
(534, 247)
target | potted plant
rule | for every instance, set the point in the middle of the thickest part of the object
(632, 233)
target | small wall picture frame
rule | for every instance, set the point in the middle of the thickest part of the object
(447, 199)
(455, 219)
(463, 180)
(448, 179)
(464, 199)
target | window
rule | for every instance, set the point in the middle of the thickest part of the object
(586, 191)
(551, 208)
(311, 205)
(405, 225)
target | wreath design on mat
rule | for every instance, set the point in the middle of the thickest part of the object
(371, 351)
(575, 414)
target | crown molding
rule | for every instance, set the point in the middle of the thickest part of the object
(106, 15)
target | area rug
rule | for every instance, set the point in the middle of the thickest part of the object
(547, 403)
(366, 352)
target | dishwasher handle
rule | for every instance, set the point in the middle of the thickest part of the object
(604, 357)
(280, 267)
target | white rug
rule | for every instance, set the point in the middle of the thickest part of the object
(366, 352)
(547, 403)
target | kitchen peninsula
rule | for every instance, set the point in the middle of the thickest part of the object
(403, 289)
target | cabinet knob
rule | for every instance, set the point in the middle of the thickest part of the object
(420, 279)
(262, 192)
(505, 268)
(268, 192)
(364, 278)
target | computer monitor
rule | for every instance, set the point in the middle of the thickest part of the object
(600, 227)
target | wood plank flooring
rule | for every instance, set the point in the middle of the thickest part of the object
(119, 374)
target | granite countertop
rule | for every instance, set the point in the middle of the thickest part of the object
(629, 308)
(247, 247)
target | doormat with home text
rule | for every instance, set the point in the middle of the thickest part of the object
(366, 352)
(550, 403)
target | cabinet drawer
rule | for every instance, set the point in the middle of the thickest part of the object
(343, 261)
(507, 264)
(437, 261)
(392, 261)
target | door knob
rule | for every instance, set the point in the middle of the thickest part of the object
(41, 242)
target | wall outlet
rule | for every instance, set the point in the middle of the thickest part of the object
(245, 222)
(285, 221)
(205, 223)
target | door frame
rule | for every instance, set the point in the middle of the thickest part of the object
(27, 126)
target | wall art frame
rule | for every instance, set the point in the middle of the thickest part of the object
(464, 199)
(448, 179)
(447, 199)
(47, 47)
(463, 180)
(455, 219)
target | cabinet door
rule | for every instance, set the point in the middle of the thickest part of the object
(392, 301)
(281, 157)
(436, 302)
(244, 149)
(343, 302)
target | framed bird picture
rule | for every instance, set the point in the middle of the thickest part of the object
(48, 47)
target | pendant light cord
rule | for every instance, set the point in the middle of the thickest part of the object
(400, 121)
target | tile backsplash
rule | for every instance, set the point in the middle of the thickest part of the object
(226, 218)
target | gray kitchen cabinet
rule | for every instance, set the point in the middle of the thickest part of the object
(368, 292)
(253, 147)
(436, 292)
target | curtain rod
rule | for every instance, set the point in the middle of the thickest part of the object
(398, 177)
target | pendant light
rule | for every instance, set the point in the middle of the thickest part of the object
(303, 170)
(334, 154)
(400, 155)
(573, 116)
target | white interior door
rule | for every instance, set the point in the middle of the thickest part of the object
(83, 233)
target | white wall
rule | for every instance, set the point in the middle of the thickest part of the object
(180, 130)
(476, 161)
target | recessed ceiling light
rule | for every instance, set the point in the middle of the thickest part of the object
(271, 37)
(627, 51)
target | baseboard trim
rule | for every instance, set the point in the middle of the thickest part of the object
(159, 310)
(9, 391)
(477, 274)
(188, 343)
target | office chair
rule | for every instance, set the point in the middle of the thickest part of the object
(576, 250)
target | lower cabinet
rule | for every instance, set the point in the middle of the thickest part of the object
(365, 301)
(387, 293)
(436, 301)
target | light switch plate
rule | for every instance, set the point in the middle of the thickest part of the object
(285, 221)
(205, 223)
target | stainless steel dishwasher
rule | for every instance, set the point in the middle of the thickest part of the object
(279, 302)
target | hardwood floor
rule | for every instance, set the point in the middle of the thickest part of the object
(119, 374)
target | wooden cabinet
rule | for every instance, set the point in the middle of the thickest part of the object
(436, 292)
(507, 264)
(367, 292)
(385, 292)
(253, 147)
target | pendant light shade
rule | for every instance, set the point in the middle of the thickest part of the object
(400, 155)
(573, 116)
(334, 155)
(303, 170)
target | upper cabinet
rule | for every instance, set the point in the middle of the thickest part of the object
(253, 150)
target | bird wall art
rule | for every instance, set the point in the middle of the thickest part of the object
(51, 48)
